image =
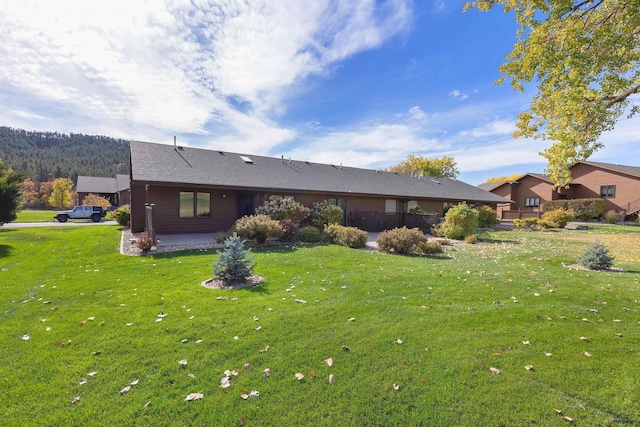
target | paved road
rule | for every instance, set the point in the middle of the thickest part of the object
(56, 224)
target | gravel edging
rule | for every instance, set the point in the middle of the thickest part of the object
(128, 247)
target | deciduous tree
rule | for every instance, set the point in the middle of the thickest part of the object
(95, 200)
(30, 193)
(584, 56)
(444, 167)
(511, 177)
(62, 193)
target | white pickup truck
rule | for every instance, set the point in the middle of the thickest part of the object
(95, 213)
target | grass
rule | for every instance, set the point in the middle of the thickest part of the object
(35, 216)
(456, 315)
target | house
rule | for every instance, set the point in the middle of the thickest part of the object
(188, 190)
(116, 190)
(618, 185)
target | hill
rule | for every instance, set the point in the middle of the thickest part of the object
(43, 156)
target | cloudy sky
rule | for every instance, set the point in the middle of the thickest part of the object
(363, 83)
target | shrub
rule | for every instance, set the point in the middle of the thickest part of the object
(309, 234)
(583, 209)
(429, 248)
(351, 237)
(145, 241)
(400, 240)
(257, 227)
(555, 219)
(531, 222)
(325, 213)
(459, 222)
(612, 217)
(123, 216)
(487, 217)
(289, 230)
(416, 210)
(596, 257)
(233, 264)
(283, 208)
(471, 240)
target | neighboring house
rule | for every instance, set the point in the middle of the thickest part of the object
(116, 190)
(618, 185)
(189, 190)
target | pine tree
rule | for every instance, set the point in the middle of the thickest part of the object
(234, 264)
(10, 194)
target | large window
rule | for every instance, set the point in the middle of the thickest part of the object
(195, 204)
(608, 191)
(532, 202)
(389, 206)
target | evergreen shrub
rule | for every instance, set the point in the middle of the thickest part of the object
(596, 257)
(233, 265)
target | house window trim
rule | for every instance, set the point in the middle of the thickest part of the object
(387, 202)
(608, 191)
(194, 205)
(532, 202)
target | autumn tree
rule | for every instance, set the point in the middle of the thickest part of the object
(444, 167)
(62, 193)
(46, 188)
(95, 200)
(10, 197)
(584, 56)
(30, 193)
(511, 177)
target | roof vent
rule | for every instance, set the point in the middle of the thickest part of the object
(434, 180)
(246, 160)
(221, 153)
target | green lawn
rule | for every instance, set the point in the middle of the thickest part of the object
(456, 316)
(35, 216)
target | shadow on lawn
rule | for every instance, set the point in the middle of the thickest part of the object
(5, 250)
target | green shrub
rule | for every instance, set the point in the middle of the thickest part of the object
(583, 209)
(145, 241)
(531, 222)
(555, 219)
(416, 210)
(122, 215)
(429, 248)
(612, 217)
(487, 217)
(257, 227)
(471, 240)
(283, 208)
(400, 240)
(325, 213)
(233, 264)
(459, 222)
(309, 234)
(351, 237)
(596, 257)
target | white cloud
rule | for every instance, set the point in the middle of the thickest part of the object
(495, 128)
(439, 6)
(458, 95)
(416, 113)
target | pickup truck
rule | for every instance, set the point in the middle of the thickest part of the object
(95, 213)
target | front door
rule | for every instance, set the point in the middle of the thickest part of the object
(245, 204)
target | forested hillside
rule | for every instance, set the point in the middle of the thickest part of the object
(43, 156)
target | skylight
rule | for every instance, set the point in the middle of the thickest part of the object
(246, 159)
(434, 180)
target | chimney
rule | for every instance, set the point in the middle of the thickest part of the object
(282, 159)
(175, 144)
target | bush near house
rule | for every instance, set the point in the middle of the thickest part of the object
(283, 208)
(400, 240)
(555, 219)
(309, 234)
(531, 222)
(429, 248)
(459, 222)
(583, 209)
(257, 227)
(612, 217)
(289, 230)
(324, 213)
(487, 217)
(122, 215)
(351, 237)
(145, 241)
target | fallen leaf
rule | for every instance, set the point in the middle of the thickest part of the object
(331, 378)
(198, 342)
(345, 348)
(396, 387)
(617, 320)
(159, 319)
(494, 370)
(75, 400)
(257, 328)
(566, 418)
(83, 381)
(182, 362)
(224, 382)
(548, 354)
(90, 374)
(194, 396)
(236, 337)
(255, 318)
(528, 367)
(405, 362)
(526, 343)
(134, 382)
(559, 411)
(25, 337)
(584, 339)
(246, 366)
(399, 341)
(162, 315)
(586, 353)
(329, 361)
(299, 376)
(92, 318)
(264, 349)
(619, 335)
(128, 324)
(312, 373)
(125, 390)
(191, 375)
(184, 341)
(352, 319)
(266, 373)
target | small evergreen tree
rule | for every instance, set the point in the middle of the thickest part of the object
(596, 257)
(10, 193)
(233, 264)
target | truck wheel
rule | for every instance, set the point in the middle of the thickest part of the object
(62, 218)
(95, 217)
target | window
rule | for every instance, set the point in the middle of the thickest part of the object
(532, 202)
(389, 206)
(608, 191)
(411, 204)
(194, 204)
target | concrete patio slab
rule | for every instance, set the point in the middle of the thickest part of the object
(185, 239)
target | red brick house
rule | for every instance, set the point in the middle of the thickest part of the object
(189, 190)
(618, 185)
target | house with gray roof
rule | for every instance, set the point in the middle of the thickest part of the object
(115, 189)
(617, 185)
(189, 190)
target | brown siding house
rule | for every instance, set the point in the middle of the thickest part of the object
(189, 190)
(618, 185)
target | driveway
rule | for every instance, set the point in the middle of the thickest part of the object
(56, 224)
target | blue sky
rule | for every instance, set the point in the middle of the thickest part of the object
(362, 83)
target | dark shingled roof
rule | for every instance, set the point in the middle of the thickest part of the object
(94, 184)
(159, 163)
(122, 182)
(631, 170)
